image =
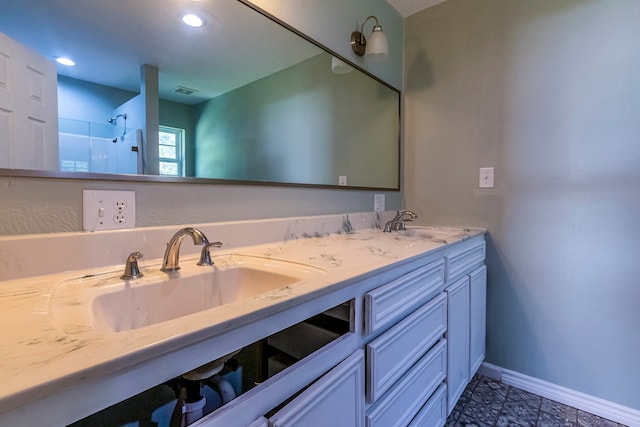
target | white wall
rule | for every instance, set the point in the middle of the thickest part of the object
(31, 205)
(548, 93)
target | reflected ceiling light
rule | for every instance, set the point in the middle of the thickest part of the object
(193, 20)
(377, 49)
(64, 61)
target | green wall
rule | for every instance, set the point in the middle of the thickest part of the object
(548, 93)
(303, 124)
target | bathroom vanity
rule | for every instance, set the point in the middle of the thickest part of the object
(379, 329)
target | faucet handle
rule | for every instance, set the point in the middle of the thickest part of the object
(389, 226)
(401, 225)
(402, 217)
(205, 254)
(131, 270)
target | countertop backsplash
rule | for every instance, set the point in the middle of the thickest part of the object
(38, 254)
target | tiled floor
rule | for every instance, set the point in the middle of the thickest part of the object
(487, 403)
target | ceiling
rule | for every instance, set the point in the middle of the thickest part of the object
(111, 40)
(409, 7)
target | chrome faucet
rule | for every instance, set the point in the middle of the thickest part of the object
(398, 222)
(131, 270)
(171, 254)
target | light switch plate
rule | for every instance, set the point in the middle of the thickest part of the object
(486, 178)
(108, 210)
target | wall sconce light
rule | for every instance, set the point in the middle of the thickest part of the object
(377, 49)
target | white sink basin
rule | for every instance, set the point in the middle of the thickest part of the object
(107, 303)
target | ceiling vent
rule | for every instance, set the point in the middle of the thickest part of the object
(184, 90)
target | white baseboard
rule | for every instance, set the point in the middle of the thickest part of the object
(492, 371)
(567, 396)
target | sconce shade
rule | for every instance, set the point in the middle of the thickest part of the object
(338, 66)
(377, 48)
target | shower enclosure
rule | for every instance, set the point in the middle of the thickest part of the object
(99, 147)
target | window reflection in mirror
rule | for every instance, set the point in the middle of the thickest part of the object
(171, 147)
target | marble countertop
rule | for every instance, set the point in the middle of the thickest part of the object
(39, 358)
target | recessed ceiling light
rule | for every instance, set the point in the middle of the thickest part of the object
(65, 61)
(193, 20)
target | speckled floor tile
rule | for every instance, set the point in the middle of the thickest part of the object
(489, 403)
(558, 411)
(465, 421)
(475, 380)
(454, 415)
(515, 394)
(466, 396)
(513, 421)
(488, 384)
(485, 412)
(586, 419)
(489, 392)
(462, 402)
(546, 419)
(522, 410)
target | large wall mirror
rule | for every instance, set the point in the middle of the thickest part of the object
(242, 98)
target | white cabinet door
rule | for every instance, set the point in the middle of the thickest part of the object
(336, 399)
(262, 422)
(28, 108)
(458, 340)
(478, 308)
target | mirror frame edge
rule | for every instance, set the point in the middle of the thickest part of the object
(91, 176)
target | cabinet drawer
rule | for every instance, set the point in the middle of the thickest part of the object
(392, 301)
(434, 412)
(334, 400)
(390, 355)
(401, 404)
(464, 260)
(249, 406)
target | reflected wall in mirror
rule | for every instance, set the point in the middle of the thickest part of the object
(242, 98)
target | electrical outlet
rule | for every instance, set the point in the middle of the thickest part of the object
(378, 202)
(342, 180)
(108, 210)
